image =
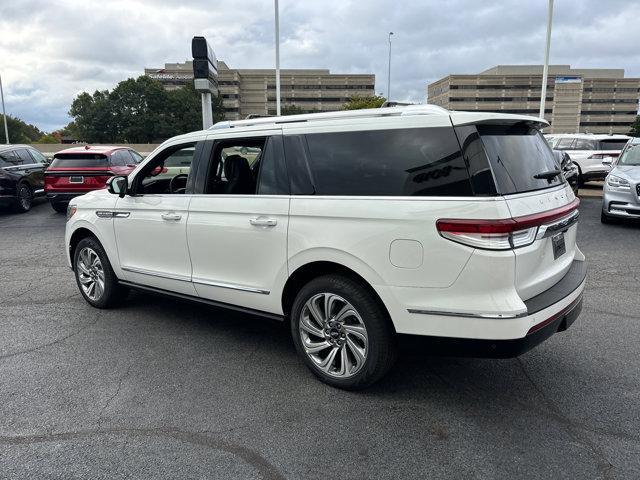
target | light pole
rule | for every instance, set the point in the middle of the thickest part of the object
(277, 60)
(4, 115)
(389, 71)
(545, 70)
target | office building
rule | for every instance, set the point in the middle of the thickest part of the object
(253, 91)
(587, 100)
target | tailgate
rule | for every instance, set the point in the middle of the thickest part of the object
(543, 263)
(75, 179)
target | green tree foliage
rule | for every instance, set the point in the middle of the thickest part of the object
(291, 110)
(635, 128)
(19, 131)
(48, 138)
(138, 111)
(369, 101)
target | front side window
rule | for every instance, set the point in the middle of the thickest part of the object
(23, 156)
(520, 158)
(399, 162)
(168, 172)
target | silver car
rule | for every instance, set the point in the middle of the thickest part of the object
(621, 197)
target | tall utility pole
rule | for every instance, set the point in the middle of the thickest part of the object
(4, 115)
(389, 71)
(545, 71)
(277, 60)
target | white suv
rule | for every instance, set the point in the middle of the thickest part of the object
(592, 153)
(352, 227)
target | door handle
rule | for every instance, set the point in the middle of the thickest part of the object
(171, 216)
(263, 222)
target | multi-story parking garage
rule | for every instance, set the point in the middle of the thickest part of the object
(588, 100)
(253, 91)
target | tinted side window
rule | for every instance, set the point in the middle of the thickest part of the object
(584, 144)
(273, 174)
(137, 158)
(482, 180)
(23, 156)
(37, 156)
(565, 144)
(402, 162)
(117, 158)
(7, 158)
(298, 165)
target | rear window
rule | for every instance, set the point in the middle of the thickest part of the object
(402, 162)
(79, 160)
(612, 144)
(517, 153)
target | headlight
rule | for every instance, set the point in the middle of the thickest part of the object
(71, 211)
(618, 182)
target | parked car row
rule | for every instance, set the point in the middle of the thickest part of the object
(621, 191)
(590, 152)
(25, 173)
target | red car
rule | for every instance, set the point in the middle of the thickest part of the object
(76, 171)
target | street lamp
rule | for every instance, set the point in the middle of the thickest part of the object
(4, 114)
(277, 60)
(389, 71)
(545, 69)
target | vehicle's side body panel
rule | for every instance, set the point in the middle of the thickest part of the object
(235, 261)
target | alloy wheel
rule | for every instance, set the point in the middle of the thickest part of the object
(24, 197)
(90, 273)
(333, 335)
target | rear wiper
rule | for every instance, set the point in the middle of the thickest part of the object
(549, 175)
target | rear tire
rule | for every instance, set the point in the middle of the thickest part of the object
(96, 279)
(351, 343)
(24, 198)
(59, 207)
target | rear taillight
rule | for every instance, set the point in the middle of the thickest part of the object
(503, 234)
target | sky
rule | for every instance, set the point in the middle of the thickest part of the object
(52, 50)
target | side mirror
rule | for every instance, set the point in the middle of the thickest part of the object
(118, 186)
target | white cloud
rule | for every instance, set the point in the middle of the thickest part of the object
(51, 51)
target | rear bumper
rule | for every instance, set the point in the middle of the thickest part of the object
(516, 329)
(481, 348)
(63, 197)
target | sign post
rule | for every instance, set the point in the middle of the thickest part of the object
(205, 76)
(4, 115)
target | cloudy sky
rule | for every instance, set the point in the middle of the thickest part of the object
(50, 50)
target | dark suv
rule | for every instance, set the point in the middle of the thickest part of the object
(21, 176)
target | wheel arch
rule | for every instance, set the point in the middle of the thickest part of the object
(77, 235)
(314, 269)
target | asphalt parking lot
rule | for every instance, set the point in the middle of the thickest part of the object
(164, 389)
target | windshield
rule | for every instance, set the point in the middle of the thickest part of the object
(631, 156)
(520, 158)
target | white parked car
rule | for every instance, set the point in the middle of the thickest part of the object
(353, 227)
(593, 153)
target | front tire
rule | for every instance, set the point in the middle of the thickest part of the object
(96, 280)
(341, 331)
(24, 198)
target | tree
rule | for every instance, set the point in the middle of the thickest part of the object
(369, 101)
(291, 110)
(139, 110)
(635, 128)
(48, 138)
(19, 131)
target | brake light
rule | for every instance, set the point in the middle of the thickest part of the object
(502, 234)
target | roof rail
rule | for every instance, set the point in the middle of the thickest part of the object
(339, 115)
